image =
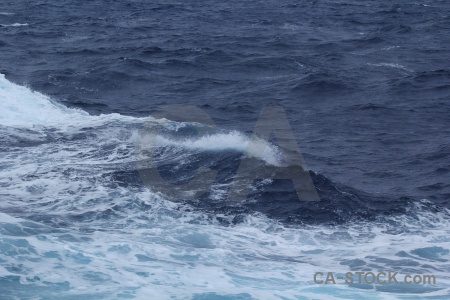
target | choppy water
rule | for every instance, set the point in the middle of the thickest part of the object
(365, 86)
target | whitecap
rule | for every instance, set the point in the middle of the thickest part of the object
(234, 140)
(23, 108)
(14, 25)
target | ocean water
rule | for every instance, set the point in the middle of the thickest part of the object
(364, 86)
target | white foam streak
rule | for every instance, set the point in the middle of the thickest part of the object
(391, 65)
(234, 141)
(14, 25)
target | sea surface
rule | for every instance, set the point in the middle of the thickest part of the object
(365, 89)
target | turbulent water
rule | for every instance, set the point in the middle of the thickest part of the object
(365, 86)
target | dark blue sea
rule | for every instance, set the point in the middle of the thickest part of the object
(143, 146)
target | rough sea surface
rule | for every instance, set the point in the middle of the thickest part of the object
(365, 86)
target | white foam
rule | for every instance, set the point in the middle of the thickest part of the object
(14, 25)
(228, 141)
(4, 218)
(22, 107)
(259, 257)
(391, 65)
(389, 48)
